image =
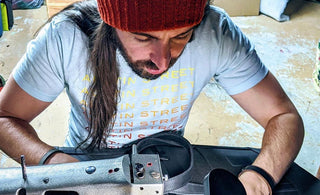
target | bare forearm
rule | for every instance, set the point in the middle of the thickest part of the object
(281, 143)
(18, 138)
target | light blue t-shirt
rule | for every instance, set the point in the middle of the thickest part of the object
(57, 59)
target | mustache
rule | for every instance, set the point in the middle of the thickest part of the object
(147, 64)
(151, 65)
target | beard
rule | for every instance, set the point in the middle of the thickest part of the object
(139, 66)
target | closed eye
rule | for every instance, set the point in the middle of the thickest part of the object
(184, 35)
(142, 39)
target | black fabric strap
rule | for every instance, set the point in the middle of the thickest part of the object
(48, 154)
(263, 173)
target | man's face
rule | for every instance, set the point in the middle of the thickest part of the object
(150, 54)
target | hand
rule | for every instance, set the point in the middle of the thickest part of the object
(254, 183)
(59, 158)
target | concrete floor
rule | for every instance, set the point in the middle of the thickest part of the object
(288, 49)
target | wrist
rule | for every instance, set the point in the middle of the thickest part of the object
(47, 156)
(254, 183)
(265, 175)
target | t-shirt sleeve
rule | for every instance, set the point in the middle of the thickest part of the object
(40, 71)
(240, 68)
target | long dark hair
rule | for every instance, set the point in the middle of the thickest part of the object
(103, 93)
(102, 97)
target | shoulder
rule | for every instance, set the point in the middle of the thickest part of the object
(216, 31)
(217, 13)
(61, 24)
(217, 20)
(218, 28)
(60, 32)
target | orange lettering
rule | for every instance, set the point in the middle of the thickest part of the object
(165, 101)
(129, 136)
(163, 121)
(154, 112)
(174, 110)
(145, 104)
(174, 119)
(144, 114)
(164, 112)
(184, 107)
(141, 136)
(144, 123)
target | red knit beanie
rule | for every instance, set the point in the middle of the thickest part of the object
(151, 15)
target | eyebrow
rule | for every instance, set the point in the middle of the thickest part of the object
(153, 37)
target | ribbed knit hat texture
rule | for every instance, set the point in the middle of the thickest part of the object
(151, 15)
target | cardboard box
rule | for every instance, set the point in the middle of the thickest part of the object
(55, 6)
(239, 7)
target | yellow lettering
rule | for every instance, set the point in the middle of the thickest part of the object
(145, 104)
(163, 121)
(154, 101)
(146, 92)
(164, 112)
(155, 88)
(165, 101)
(174, 100)
(174, 74)
(183, 85)
(165, 88)
(127, 115)
(128, 124)
(128, 93)
(184, 107)
(127, 106)
(183, 72)
(174, 88)
(154, 112)
(126, 81)
(84, 90)
(183, 96)
(191, 82)
(165, 75)
(125, 124)
(146, 81)
(131, 93)
(131, 80)
(174, 110)
(86, 78)
(191, 70)
(144, 114)
(120, 80)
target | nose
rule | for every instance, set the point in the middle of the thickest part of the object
(161, 55)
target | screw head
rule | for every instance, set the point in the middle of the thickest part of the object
(90, 169)
(155, 174)
(46, 180)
